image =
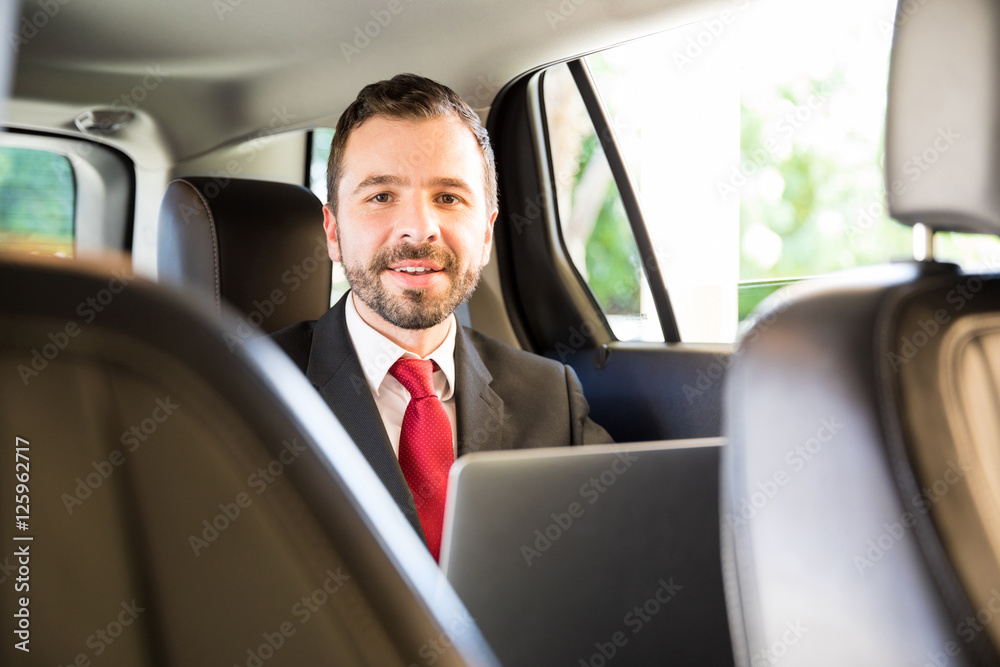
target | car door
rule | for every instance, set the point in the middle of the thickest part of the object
(618, 332)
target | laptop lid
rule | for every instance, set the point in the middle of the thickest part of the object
(588, 555)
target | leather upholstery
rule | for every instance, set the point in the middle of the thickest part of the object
(854, 505)
(209, 491)
(950, 414)
(256, 245)
(942, 146)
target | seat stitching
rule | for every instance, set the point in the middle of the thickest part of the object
(215, 244)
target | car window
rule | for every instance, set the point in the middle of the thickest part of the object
(318, 156)
(594, 225)
(37, 202)
(319, 153)
(756, 147)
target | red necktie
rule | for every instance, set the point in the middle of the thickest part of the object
(425, 448)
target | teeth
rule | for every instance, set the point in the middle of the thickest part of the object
(414, 269)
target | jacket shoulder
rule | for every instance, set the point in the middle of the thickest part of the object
(544, 401)
(496, 354)
(296, 341)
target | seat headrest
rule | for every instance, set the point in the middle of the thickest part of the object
(942, 153)
(257, 245)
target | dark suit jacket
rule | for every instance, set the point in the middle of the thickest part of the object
(505, 398)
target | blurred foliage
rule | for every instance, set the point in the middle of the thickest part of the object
(612, 259)
(809, 183)
(752, 292)
(36, 192)
(814, 201)
(37, 200)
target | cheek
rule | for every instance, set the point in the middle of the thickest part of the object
(357, 243)
(474, 252)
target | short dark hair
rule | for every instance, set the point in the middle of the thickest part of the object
(407, 97)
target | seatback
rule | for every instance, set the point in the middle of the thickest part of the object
(190, 502)
(836, 553)
(257, 245)
(860, 492)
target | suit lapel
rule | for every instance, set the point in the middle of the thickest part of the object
(479, 409)
(336, 373)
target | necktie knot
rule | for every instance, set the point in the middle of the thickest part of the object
(417, 375)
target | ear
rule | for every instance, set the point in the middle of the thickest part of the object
(330, 227)
(489, 238)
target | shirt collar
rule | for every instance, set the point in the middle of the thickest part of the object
(377, 354)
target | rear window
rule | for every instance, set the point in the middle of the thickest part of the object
(319, 154)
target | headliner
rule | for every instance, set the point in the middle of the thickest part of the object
(211, 74)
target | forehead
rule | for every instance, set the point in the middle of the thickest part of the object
(416, 149)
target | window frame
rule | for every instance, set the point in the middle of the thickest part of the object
(104, 180)
(550, 307)
(628, 193)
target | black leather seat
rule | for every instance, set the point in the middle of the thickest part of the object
(257, 245)
(192, 504)
(861, 501)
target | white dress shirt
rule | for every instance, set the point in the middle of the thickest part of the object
(377, 354)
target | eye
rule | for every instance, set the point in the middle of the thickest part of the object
(449, 199)
(381, 198)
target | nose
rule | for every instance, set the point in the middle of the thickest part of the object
(419, 223)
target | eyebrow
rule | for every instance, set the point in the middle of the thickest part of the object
(456, 183)
(382, 179)
(398, 181)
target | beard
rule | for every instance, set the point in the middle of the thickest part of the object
(414, 308)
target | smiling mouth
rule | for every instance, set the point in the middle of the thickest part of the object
(416, 270)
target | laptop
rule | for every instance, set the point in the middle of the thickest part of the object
(591, 555)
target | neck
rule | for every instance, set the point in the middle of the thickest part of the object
(420, 342)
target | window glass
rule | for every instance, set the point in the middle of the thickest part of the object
(37, 201)
(973, 252)
(321, 139)
(593, 222)
(755, 139)
(675, 132)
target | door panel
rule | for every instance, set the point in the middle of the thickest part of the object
(648, 391)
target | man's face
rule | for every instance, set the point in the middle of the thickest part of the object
(411, 226)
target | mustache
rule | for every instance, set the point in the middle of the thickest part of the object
(386, 257)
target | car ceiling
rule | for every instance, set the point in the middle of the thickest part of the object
(215, 73)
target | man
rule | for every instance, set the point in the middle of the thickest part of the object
(412, 202)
